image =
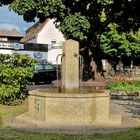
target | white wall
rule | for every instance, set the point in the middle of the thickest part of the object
(3, 51)
(45, 36)
(49, 33)
(30, 53)
(52, 55)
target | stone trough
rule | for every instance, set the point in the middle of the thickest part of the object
(71, 107)
(58, 110)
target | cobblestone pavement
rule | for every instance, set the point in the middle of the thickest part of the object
(127, 108)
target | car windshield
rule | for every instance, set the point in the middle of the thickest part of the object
(44, 67)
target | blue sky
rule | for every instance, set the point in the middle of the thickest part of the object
(10, 19)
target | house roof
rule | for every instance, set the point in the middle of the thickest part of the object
(10, 33)
(34, 30)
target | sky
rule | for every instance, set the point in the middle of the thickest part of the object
(10, 19)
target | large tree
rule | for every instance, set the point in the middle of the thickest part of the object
(120, 45)
(82, 20)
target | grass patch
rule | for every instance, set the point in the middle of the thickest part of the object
(8, 133)
(16, 134)
(7, 112)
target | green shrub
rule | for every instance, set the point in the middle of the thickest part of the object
(15, 72)
(124, 85)
(137, 83)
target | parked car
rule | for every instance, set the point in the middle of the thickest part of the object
(44, 73)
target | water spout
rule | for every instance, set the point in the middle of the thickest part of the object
(57, 76)
(81, 60)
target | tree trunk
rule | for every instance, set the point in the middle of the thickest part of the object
(96, 64)
(92, 64)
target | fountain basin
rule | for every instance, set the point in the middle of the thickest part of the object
(49, 109)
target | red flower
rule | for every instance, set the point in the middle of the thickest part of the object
(122, 79)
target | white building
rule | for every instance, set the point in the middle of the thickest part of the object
(10, 43)
(46, 33)
(10, 35)
(8, 39)
(37, 51)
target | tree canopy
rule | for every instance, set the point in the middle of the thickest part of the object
(122, 46)
(82, 20)
(116, 44)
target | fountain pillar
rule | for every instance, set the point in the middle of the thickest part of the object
(70, 66)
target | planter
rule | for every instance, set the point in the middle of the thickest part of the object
(123, 95)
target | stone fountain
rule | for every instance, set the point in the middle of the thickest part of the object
(71, 108)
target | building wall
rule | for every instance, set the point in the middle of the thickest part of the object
(52, 56)
(3, 39)
(6, 51)
(32, 54)
(34, 51)
(11, 39)
(50, 33)
(29, 53)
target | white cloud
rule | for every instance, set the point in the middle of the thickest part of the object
(9, 27)
(10, 19)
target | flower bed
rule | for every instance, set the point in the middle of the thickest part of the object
(123, 88)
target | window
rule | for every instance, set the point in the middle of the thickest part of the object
(3, 39)
(53, 41)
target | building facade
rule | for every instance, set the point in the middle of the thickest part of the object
(46, 33)
(10, 43)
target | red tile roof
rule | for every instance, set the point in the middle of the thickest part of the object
(10, 33)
